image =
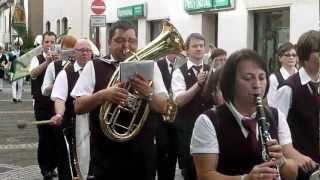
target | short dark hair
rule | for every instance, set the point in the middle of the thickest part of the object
(287, 46)
(193, 36)
(217, 52)
(121, 24)
(308, 42)
(48, 33)
(228, 78)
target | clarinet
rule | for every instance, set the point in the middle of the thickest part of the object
(263, 127)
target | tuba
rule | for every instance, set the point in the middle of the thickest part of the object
(136, 109)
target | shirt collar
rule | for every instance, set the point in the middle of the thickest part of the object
(77, 67)
(238, 116)
(304, 76)
(169, 62)
(285, 74)
(190, 63)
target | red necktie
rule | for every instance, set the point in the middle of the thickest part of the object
(251, 125)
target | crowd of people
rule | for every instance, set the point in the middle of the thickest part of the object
(220, 130)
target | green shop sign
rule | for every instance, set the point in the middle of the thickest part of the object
(203, 5)
(131, 11)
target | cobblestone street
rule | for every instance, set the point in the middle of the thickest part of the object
(18, 146)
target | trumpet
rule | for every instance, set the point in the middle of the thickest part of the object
(263, 127)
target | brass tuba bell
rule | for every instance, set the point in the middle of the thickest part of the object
(135, 113)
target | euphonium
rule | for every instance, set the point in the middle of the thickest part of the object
(137, 108)
(263, 127)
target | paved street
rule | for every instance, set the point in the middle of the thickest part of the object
(18, 147)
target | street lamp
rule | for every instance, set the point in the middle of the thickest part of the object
(10, 3)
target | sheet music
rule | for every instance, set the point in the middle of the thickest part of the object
(128, 69)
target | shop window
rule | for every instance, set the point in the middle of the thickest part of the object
(155, 29)
(271, 29)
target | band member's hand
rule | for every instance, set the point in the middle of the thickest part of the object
(115, 94)
(56, 120)
(306, 164)
(263, 171)
(201, 77)
(275, 149)
(141, 85)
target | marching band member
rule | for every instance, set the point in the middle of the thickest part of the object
(187, 84)
(166, 132)
(299, 100)
(3, 65)
(43, 109)
(68, 42)
(133, 159)
(17, 85)
(225, 142)
(288, 59)
(63, 103)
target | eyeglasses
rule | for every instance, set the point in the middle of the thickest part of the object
(290, 55)
(84, 50)
(123, 40)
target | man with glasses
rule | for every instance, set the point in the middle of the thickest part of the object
(299, 100)
(133, 159)
(64, 111)
(43, 109)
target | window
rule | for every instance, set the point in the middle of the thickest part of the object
(271, 29)
(64, 25)
(48, 26)
(58, 27)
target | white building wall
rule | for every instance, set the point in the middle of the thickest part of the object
(165, 9)
(304, 16)
(235, 27)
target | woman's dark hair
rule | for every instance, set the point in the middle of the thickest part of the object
(228, 78)
(284, 48)
(308, 42)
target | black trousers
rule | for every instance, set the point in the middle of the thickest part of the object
(63, 163)
(124, 160)
(185, 158)
(167, 150)
(48, 142)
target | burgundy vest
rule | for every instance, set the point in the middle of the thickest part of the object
(166, 76)
(41, 102)
(57, 67)
(72, 78)
(279, 77)
(235, 155)
(103, 73)
(303, 118)
(188, 114)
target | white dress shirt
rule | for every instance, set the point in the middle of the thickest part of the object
(35, 62)
(49, 78)
(271, 96)
(284, 94)
(168, 64)
(204, 137)
(60, 87)
(178, 84)
(87, 80)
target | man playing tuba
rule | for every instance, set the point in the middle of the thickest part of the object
(133, 159)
